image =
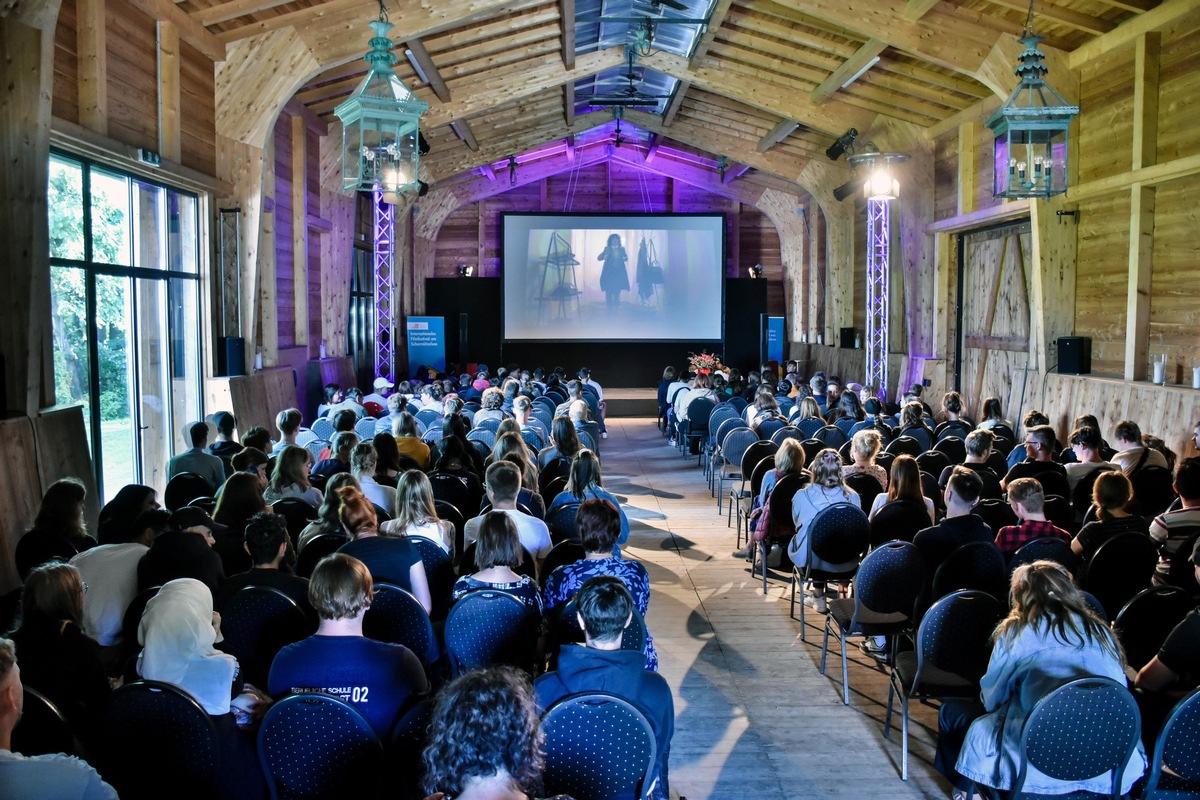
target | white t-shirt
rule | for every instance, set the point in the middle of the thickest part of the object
(535, 536)
(377, 493)
(110, 572)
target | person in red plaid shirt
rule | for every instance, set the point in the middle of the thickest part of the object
(1026, 498)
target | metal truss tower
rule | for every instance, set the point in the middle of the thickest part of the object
(878, 252)
(385, 273)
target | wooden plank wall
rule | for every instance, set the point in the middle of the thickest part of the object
(471, 234)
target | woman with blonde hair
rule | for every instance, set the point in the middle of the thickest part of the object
(827, 488)
(290, 477)
(416, 515)
(805, 409)
(404, 430)
(866, 446)
(1050, 636)
(390, 559)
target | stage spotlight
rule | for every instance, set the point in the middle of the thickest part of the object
(845, 190)
(422, 144)
(843, 143)
(465, 270)
(756, 271)
(422, 188)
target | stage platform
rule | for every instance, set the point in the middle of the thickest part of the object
(632, 402)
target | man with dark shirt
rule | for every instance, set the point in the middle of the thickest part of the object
(979, 449)
(1040, 447)
(226, 444)
(266, 540)
(960, 526)
(377, 678)
(605, 610)
(185, 551)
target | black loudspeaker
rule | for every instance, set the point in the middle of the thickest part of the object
(745, 303)
(846, 339)
(1074, 355)
(234, 350)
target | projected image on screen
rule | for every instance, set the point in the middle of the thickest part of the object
(640, 277)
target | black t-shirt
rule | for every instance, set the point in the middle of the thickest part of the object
(1033, 469)
(1180, 653)
(293, 586)
(991, 483)
(1094, 534)
(388, 559)
(176, 554)
(938, 542)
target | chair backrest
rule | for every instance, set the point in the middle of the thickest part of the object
(450, 513)
(1082, 729)
(482, 436)
(42, 728)
(208, 504)
(566, 630)
(1153, 490)
(158, 742)
(838, 533)
(889, 580)
(831, 436)
(1121, 568)
(735, 444)
(1081, 495)
(439, 574)
(561, 522)
(365, 428)
(768, 427)
(867, 487)
(1047, 548)
(787, 432)
(432, 435)
(298, 514)
(808, 426)
(954, 428)
(551, 488)
(314, 550)
(758, 473)
(322, 428)
(257, 622)
(718, 419)
(933, 462)
(904, 445)
(1176, 748)
(317, 446)
(898, 520)
(811, 448)
(738, 404)
(429, 417)
(1144, 623)
(1053, 483)
(396, 616)
(533, 440)
(597, 745)
(996, 513)
(1182, 572)
(451, 489)
(1058, 510)
(316, 746)
(489, 627)
(184, 488)
(561, 554)
(846, 452)
(780, 504)
(955, 634)
(698, 413)
(953, 448)
(975, 565)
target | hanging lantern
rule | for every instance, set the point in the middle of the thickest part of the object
(1030, 157)
(381, 143)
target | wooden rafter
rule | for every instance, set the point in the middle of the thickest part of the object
(462, 129)
(224, 12)
(567, 21)
(569, 102)
(676, 101)
(715, 21)
(421, 56)
(1061, 16)
(861, 58)
(784, 129)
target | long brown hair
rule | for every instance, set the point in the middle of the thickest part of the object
(1043, 594)
(357, 513)
(905, 480)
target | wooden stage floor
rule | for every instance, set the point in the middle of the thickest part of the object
(754, 717)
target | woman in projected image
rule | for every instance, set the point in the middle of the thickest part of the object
(614, 277)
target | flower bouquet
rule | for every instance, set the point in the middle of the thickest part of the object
(705, 363)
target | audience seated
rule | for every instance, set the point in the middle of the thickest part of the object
(1132, 454)
(58, 532)
(498, 552)
(328, 514)
(1085, 445)
(827, 488)
(866, 445)
(408, 442)
(37, 777)
(912, 424)
(241, 498)
(1032, 419)
(1111, 494)
(605, 610)
(288, 422)
(363, 461)
(1173, 672)
(583, 483)
(184, 551)
(502, 486)
(389, 559)
(599, 525)
(992, 415)
(61, 661)
(905, 485)
(341, 445)
(270, 551)
(258, 438)
(1051, 636)
(960, 526)
(253, 461)
(196, 460)
(416, 515)
(1040, 448)
(377, 678)
(116, 518)
(564, 443)
(979, 449)
(290, 477)
(1027, 499)
(1170, 528)
(226, 444)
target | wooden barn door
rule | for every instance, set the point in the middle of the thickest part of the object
(993, 315)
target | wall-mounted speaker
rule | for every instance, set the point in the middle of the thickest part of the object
(1074, 355)
(846, 338)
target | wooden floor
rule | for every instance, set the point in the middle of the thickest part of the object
(753, 716)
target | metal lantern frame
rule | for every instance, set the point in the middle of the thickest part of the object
(380, 125)
(1030, 151)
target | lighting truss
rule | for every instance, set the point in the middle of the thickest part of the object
(385, 272)
(878, 253)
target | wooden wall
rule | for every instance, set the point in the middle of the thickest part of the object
(471, 234)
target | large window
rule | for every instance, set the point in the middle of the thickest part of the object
(124, 270)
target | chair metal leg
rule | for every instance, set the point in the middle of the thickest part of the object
(792, 610)
(765, 551)
(825, 646)
(904, 740)
(887, 719)
(845, 672)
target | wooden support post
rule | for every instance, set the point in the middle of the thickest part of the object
(968, 174)
(90, 41)
(299, 183)
(1141, 206)
(268, 325)
(168, 91)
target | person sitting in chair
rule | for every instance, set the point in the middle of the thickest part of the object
(604, 611)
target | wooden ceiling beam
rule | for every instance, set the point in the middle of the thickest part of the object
(569, 102)
(681, 89)
(1062, 16)
(462, 129)
(656, 141)
(862, 59)
(784, 129)
(1165, 15)
(715, 21)
(223, 12)
(421, 57)
(567, 22)
(189, 29)
(915, 9)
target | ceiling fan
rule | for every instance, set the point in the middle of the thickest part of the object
(675, 4)
(631, 95)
